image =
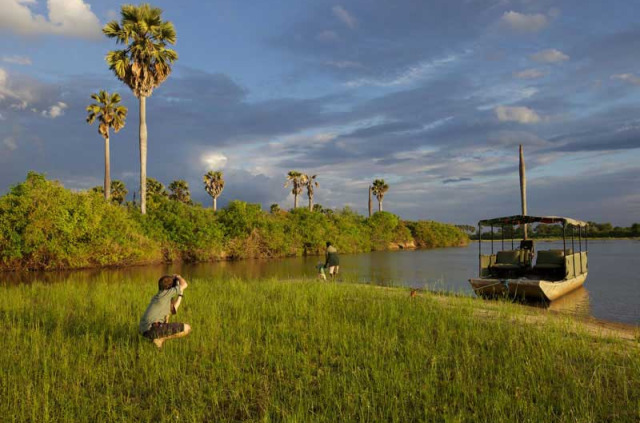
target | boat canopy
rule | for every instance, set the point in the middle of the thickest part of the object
(521, 219)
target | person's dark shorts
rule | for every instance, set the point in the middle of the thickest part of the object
(161, 330)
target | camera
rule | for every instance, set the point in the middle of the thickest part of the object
(176, 281)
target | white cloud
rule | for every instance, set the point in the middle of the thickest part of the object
(407, 76)
(327, 36)
(55, 110)
(529, 74)
(10, 143)
(549, 56)
(343, 64)
(214, 160)
(17, 60)
(627, 77)
(524, 23)
(72, 18)
(342, 14)
(516, 114)
(18, 96)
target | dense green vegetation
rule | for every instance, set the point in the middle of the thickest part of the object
(45, 226)
(302, 351)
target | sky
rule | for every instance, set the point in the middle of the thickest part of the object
(433, 96)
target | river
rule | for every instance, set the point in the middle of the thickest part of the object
(611, 292)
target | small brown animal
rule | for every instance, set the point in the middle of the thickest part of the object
(414, 293)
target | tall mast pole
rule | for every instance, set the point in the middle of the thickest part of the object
(370, 203)
(523, 189)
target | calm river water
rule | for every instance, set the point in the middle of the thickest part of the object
(611, 292)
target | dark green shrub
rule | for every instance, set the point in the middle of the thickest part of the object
(45, 226)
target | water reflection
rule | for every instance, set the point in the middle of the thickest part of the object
(575, 303)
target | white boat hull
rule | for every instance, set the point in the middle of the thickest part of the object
(539, 289)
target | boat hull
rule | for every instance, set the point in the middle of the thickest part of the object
(535, 289)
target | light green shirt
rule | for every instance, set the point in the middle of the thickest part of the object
(159, 307)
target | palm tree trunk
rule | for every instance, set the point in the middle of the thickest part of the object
(523, 188)
(295, 201)
(143, 154)
(379, 205)
(311, 203)
(107, 169)
(370, 203)
(215, 203)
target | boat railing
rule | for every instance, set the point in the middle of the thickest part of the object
(574, 263)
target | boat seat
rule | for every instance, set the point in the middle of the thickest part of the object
(508, 260)
(550, 259)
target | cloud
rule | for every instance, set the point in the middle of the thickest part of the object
(529, 74)
(343, 64)
(72, 18)
(549, 56)
(516, 114)
(455, 180)
(55, 110)
(342, 14)
(408, 75)
(627, 77)
(10, 143)
(17, 60)
(214, 160)
(18, 92)
(327, 36)
(524, 23)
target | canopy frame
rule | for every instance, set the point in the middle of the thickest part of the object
(525, 219)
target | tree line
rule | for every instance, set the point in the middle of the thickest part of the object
(46, 226)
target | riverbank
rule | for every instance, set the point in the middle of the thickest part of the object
(305, 351)
(44, 226)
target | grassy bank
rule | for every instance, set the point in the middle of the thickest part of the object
(45, 226)
(302, 351)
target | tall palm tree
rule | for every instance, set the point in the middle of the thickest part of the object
(295, 179)
(379, 189)
(214, 185)
(180, 191)
(110, 114)
(143, 65)
(310, 183)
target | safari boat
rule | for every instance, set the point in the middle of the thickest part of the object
(514, 272)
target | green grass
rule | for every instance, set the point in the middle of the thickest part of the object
(301, 351)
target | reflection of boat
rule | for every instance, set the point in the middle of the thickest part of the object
(575, 303)
(513, 272)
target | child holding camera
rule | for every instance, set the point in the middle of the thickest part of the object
(154, 324)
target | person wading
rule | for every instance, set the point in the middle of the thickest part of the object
(333, 261)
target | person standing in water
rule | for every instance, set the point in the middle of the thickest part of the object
(333, 261)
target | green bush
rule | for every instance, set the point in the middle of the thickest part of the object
(430, 234)
(189, 233)
(383, 229)
(45, 226)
